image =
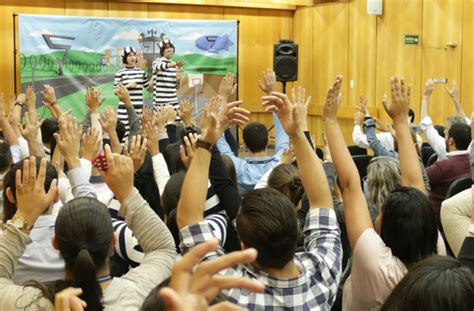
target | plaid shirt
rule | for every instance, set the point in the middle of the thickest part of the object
(320, 264)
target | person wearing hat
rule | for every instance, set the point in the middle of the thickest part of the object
(166, 76)
(135, 79)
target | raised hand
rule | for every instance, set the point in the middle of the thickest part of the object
(119, 174)
(170, 114)
(358, 118)
(108, 120)
(333, 100)
(298, 97)
(268, 84)
(193, 286)
(151, 133)
(160, 119)
(286, 111)
(227, 87)
(123, 95)
(186, 113)
(215, 122)
(31, 198)
(288, 156)
(180, 63)
(68, 300)
(91, 143)
(69, 140)
(93, 99)
(49, 96)
(398, 108)
(429, 88)
(30, 98)
(30, 131)
(363, 106)
(190, 142)
(136, 151)
(453, 91)
(147, 115)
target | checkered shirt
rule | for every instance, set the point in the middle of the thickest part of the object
(320, 263)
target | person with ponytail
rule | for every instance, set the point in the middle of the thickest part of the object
(84, 238)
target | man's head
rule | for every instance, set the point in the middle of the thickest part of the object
(255, 137)
(411, 115)
(267, 222)
(453, 120)
(459, 137)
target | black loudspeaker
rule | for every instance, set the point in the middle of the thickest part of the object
(285, 62)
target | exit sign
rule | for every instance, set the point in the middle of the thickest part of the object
(412, 39)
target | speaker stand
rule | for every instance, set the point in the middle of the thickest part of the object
(284, 87)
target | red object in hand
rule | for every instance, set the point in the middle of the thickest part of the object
(100, 161)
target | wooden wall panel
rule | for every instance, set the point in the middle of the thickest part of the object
(249, 58)
(7, 8)
(467, 76)
(185, 12)
(130, 10)
(330, 48)
(362, 54)
(303, 25)
(442, 25)
(393, 56)
(87, 8)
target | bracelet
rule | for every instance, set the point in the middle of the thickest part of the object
(200, 143)
(19, 103)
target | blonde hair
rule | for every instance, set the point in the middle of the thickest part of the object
(383, 176)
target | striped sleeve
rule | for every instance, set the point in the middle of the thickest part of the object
(127, 246)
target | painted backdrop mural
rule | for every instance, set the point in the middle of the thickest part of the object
(72, 53)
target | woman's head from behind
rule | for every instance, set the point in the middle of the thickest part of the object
(435, 283)
(383, 176)
(9, 186)
(84, 238)
(407, 225)
(286, 179)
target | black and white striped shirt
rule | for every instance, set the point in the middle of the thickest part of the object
(165, 85)
(125, 76)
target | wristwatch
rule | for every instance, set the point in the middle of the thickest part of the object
(20, 223)
(471, 228)
(204, 144)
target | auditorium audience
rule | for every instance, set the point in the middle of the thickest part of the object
(93, 219)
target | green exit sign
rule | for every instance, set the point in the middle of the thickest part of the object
(412, 39)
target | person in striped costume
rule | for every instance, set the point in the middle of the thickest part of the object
(166, 76)
(135, 80)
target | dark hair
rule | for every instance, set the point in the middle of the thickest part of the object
(165, 46)
(411, 115)
(154, 302)
(267, 222)
(125, 56)
(440, 130)
(435, 283)
(121, 130)
(229, 164)
(461, 134)
(408, 225)
(5, 157)
(9, 208)
(255, 136)
(48, 128)
(286, 179)
(172, 192)
(173, 159)
(84, 234)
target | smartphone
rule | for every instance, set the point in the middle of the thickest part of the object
(440, 80)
